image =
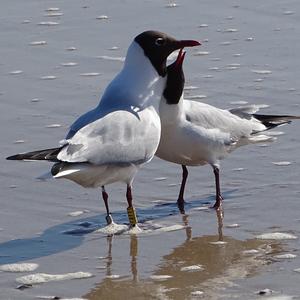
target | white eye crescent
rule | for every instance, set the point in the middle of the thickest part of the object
(160, 42)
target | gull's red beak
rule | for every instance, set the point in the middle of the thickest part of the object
(188, 43)
(180, 58)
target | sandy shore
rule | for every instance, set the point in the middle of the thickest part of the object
(57, 57)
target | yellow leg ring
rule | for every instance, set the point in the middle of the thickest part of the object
(132, 216)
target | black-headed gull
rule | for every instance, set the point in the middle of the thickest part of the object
(111, 142)
(195, 133)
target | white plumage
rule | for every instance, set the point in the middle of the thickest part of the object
(195, 133)
(111, 142)
(202, 133)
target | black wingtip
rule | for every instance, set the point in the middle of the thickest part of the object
(13, 157)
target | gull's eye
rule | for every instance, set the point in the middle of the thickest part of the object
(160, 42)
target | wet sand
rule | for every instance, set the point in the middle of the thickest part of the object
(56, 63)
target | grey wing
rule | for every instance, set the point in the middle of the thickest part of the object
(118, 137)
(82, 121)
(238, 122)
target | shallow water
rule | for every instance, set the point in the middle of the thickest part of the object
(54, 72)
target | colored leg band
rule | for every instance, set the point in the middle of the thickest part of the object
(132, 216)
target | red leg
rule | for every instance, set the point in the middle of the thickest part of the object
(180, 201)
(108, 217)
(219, 198)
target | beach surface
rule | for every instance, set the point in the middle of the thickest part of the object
(57, 58)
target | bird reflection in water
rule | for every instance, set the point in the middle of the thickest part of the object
(223, 259)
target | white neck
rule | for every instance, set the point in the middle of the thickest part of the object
(137, 85)
(171, 113)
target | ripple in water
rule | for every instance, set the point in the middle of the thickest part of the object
(38, 43)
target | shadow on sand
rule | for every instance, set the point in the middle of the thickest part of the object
(71, 234)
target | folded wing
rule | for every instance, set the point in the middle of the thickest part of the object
(118, 137)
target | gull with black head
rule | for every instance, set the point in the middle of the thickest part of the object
(195, 133)
(111, 142)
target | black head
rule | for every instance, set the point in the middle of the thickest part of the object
(175, 80)
(158, 46)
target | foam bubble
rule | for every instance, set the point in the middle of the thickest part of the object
(48, 23)
(288, 12)
(22, 267)
(135, 230)
(19, 142)
(286, 256)
(281, 297)
(281, 163)
(171, 5)
(113, 228)
(200, 53)
(218, 243)
(192, 268)
(160, 277)
(262, 105)
(201, 208)
(43, 277)
(53, 14)
(225, 43)
(102, 17)
(90, 74)
(250, 252)
(160, 178)
(230, 68)
(48, 77)
(265, 292)
(197, 293)
(171, 228)
(238, 169)
(114, 276)
(238, 102)
(76, 213)
(230, 30)
(262, 72)
(69, 64)
(52, 9)
(16, 72)
(174, 184)
(38, 43)
(113, 58)
(35, 100)
(235, 225)
(53, 126)
(276, 236)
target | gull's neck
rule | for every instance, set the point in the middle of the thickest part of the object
(138, 84)
(171, 113)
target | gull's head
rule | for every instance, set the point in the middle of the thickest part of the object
(158, 46)
(175, 80)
